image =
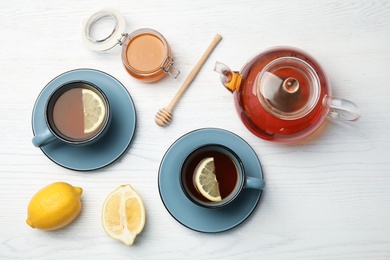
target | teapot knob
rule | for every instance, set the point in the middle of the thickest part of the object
(290, 85)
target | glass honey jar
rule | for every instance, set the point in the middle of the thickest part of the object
(146, 54)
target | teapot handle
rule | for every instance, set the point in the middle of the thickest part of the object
(343, 109)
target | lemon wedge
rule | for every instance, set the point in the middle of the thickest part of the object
(94, 110)
(206, 181)
(123, 214)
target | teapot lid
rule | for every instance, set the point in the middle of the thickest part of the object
(288, 88)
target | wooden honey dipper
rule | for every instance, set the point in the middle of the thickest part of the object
(164, 115)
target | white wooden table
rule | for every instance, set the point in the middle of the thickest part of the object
(326, 198)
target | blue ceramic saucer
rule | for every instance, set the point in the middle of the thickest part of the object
(186, 212)
(112, 145)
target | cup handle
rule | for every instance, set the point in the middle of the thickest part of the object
(254, 183)
(343, 109)
(43, 138)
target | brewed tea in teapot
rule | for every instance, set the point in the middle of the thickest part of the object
(283, 94)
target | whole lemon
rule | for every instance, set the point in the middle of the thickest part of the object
(54, 206)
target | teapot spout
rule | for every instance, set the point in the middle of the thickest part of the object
(230, 79)
(224, 71)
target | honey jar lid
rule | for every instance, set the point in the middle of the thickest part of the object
(103, 30)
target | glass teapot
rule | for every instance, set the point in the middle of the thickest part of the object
(283, 94)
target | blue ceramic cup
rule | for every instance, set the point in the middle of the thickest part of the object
(197, 174)
(76, 113)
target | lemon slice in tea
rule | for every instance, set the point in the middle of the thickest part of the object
(94, 110)
(123, 214)
(206, 180)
